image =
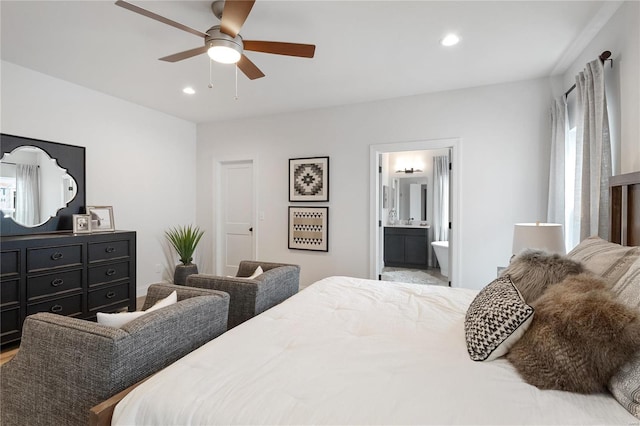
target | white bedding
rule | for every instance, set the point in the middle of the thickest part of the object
(352, 351)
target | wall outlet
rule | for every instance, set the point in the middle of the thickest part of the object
(158, 268)
(261, 215)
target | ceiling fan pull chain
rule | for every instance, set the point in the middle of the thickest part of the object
(236, 82)
(210, 86)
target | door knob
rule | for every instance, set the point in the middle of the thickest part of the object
(251, 229)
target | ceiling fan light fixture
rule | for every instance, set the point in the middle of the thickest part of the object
(224, 54)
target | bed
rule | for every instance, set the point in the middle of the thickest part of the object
(356, 351)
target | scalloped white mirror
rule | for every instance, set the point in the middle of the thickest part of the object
(33, 187)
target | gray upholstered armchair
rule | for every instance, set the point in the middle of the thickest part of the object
(249, 297)
(66, 365)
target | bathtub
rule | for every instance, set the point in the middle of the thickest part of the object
(442, 254)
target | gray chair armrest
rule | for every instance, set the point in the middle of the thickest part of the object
(66, 365)
(250, 297)
(159, 291)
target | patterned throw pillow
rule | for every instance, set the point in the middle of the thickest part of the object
(495, 320)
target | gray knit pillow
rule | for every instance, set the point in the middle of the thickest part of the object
(495, 320)
(579, 338)
(625, 384)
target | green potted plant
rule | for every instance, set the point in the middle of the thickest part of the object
(184, 240)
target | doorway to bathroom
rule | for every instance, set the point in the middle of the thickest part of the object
(414, 190)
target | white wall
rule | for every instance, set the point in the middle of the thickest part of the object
(621, 36)
(504, 170)
(137, 160)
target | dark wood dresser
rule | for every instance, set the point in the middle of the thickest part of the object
(69, 274)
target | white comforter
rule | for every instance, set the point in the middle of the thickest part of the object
(351, 351)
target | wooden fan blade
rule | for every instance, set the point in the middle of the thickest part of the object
(157, 17)
(234, 14)
(249, 68)
(186, 54)
(280, 48)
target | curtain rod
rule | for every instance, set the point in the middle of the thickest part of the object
(14, 164)
(604, 57)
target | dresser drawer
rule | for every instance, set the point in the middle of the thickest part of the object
(59, 282)
(10, 263)
(108, 250)
(69, 305)
(53, 257)
(9, 292)
(108, 273)
(10, 324)
(117, 294)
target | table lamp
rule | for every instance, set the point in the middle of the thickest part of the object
(538, 236)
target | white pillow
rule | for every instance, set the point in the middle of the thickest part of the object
(257, 272)
(118, 319)
(167, 301)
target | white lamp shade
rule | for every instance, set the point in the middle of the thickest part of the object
(538, 236)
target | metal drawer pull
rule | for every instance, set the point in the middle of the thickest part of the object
(110, 249)
(111, 295)
(110, 272)
(56, 256)
(56, 308)
(57, 282)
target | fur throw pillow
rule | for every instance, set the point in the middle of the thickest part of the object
(533, 271)
(580, 336)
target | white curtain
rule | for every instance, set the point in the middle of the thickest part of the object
(441, 198)
(559, 135)
(581, 160)
(593, 152)
(27, 194)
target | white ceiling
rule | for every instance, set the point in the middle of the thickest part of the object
(366, 50)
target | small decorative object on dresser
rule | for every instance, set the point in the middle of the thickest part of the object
(101, 218)
(309, 179)
(184, 239)
(81, 223)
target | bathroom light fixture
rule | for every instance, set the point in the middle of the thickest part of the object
(189, 90)
(538, 236)
(450, 40)
(409, 171)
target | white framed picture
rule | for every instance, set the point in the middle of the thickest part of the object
(81, 223)
(309, 179)
(309, 228)
(101, 218)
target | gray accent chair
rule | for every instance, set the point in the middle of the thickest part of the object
(66, 365)
(249, 297)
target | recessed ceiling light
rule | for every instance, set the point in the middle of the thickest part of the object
(450, 40)
(189, 90)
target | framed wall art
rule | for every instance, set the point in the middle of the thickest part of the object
(309, 228)
(101, 218)
(309, 179)
(81, 223)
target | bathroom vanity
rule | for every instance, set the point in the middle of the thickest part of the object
(406, 246)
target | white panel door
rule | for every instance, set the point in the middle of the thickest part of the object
(236, 215)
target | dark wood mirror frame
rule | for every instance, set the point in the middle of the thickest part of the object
(69, 157)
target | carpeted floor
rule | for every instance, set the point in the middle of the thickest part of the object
(415, 276)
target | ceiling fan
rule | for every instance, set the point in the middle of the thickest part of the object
(223, 43)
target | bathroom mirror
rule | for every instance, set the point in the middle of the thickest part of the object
(41, 185)
(410, 195)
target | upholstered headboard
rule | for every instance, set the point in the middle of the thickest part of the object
(625, 209)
